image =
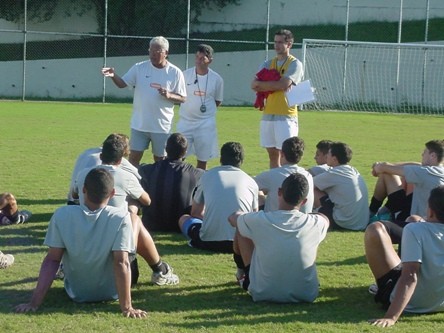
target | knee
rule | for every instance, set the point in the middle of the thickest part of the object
(374, 231)
(414, 218)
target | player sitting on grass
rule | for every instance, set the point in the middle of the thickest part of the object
(96, 242)
(279, 247)
(9, 212)
(414, 282)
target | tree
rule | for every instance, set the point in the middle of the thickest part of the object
(125, 17)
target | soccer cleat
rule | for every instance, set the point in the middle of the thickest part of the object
(23, 216)
(169, 278)
(6, 260)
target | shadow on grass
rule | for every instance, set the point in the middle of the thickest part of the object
(210, 306)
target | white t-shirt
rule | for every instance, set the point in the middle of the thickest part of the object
(347, 190)
(89, 239)
(271, 180)
(423, 242)
(224, 189)
(425, 179)
(201, 89)
(125, 184)
(151, 111)
(283, 267)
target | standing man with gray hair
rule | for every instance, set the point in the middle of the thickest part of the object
(197, 116)
(158, 85)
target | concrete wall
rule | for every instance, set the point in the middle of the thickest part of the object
(81, 78)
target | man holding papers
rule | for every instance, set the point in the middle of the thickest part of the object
(279, 120)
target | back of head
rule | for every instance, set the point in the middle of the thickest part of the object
(288, 35)
(293, 149)
(232, 153)
(161, 41)
(436, 202)
(294, 189)
(113, 149)
(176, 146)
(341, 151)
(437, 147)
(324, 146)
(99, 184)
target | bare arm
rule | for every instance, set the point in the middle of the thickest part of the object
(283, 84)
(404, 290)
(390, 168)
(172, 97)
(197, 210)
(145, 199)
(233, 218)
(110, 72)
(122, 273)
(47, 273)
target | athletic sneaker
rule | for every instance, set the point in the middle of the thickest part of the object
(23, 216)
(380, 217)
(6, 260)
(240, 276)
(60, 274)
(169, 278)
(373, 289)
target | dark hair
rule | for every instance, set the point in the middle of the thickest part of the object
(294, 189)
(176, 146)
(205, 49)
(99, 184)
(324, 146)
(232, 153)
(437, 147)
(113, 149)
(436, 202)
(293, 149)
(341, 151)
(288, 35)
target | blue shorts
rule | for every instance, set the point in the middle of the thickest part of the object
(140, 141)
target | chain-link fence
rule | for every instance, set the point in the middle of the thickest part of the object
(53, 50)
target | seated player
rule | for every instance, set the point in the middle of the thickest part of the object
(279, 247)
(413, 283)
(9, 211)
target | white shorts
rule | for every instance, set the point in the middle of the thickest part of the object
(201, 136)
(276, 129)
(140, 141)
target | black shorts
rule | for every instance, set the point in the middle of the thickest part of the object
(386, 284)
(400, 205)
(215, 246)
(327, 209)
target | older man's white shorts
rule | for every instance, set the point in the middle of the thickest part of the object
(201, 136)
(276, 129)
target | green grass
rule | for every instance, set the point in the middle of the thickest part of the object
(39, 144)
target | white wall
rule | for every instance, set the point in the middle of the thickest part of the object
(253, 13)
(81, 78)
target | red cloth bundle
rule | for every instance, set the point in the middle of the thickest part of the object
(265, 75)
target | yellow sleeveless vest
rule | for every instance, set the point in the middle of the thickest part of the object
(277, 102)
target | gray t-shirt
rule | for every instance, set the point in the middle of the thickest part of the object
(125, 184)
(223, 190)
(271, 180)
(89, 239)
(423, 242)
(425, 179)
(283, 265)
(347, 190)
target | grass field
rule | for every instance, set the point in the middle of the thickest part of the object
(39, 144)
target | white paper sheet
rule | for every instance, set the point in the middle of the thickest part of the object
(300, 94)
